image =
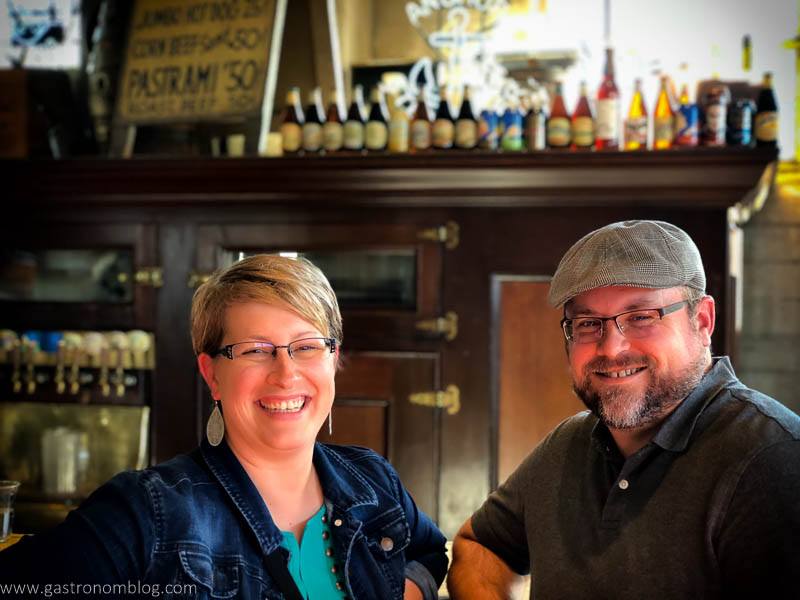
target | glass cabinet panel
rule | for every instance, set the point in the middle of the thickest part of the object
(382, 278)
(74, 275)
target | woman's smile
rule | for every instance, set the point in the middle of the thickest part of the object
(284, 405)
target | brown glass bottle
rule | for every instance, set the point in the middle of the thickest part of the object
(292, 122)
(377, 129)
(312, 125)
(443, 132)
(421, 126)
(332, 130)
(766, 121)
(353, 130)
(466, 131)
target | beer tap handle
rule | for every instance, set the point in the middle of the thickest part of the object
(16, 374)
(61, 384)
(105, 387)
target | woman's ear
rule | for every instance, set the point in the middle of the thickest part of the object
(206, 365)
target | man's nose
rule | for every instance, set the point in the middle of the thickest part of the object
(613, 341)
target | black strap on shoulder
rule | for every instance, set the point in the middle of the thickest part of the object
(276, 565)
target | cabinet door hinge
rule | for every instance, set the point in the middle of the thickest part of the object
(446, 325)
(196, 279)
(149, 276)
(447, 233)
(450, 399)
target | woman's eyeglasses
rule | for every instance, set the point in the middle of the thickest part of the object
(305, 350)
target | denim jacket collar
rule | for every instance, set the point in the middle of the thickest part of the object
(342, 486)
(231, 475)
(341, 483)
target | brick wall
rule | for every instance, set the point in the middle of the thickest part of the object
(769, 351)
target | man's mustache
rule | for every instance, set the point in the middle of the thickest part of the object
(618, 363)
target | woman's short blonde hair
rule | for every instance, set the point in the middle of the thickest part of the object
(293, 283)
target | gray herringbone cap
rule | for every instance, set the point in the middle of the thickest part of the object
(648, 254)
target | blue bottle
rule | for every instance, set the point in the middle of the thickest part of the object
(487, 130)
(512, 129)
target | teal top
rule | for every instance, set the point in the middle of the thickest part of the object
(311, 563)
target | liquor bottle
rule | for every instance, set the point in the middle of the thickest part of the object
(766, 114)
(487, 127)
(511, 139)
(582, 126)
(466, 132)
(687, 121)
(715, 119)
(740, 123)
(608, 108)
(398, 126)
(421, 126)
(332, 130)
(663, 119)
(747, 53)
(443, 127)
(377, 132)
(312, 127)
(354, 124)
(558, 125)
(637, 122)
(536, 127)
(292, 122)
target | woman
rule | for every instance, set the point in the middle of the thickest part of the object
(259, 510)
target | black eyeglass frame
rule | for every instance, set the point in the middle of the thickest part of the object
(227, 351)
(662, 312)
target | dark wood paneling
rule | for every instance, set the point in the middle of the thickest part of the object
(694, 179)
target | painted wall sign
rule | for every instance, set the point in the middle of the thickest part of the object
(190, 60)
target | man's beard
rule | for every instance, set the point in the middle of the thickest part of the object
(619, 408)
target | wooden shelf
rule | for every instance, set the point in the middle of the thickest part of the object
(701, 178)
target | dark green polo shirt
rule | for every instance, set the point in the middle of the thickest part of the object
(710, 508)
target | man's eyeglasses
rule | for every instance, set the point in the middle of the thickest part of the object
(305, 350)
(633, 324)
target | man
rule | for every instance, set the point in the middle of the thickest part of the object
(678, 482)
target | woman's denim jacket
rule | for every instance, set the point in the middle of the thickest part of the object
(196, 526)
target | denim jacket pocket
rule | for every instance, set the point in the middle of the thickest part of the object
(388, 534)
(218, 577)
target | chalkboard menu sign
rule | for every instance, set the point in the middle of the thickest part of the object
(194, 60)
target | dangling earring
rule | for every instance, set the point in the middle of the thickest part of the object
(330, 423)
(215, 428)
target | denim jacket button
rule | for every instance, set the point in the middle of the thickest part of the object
(387, 544)
(337, 523)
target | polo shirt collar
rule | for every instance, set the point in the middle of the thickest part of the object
(676, 431)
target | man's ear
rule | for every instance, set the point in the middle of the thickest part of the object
(705, 317)
(206, 365)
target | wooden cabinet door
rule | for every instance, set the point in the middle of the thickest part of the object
(372, 409)
(385, 357)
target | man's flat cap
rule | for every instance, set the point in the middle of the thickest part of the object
(648, 254)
